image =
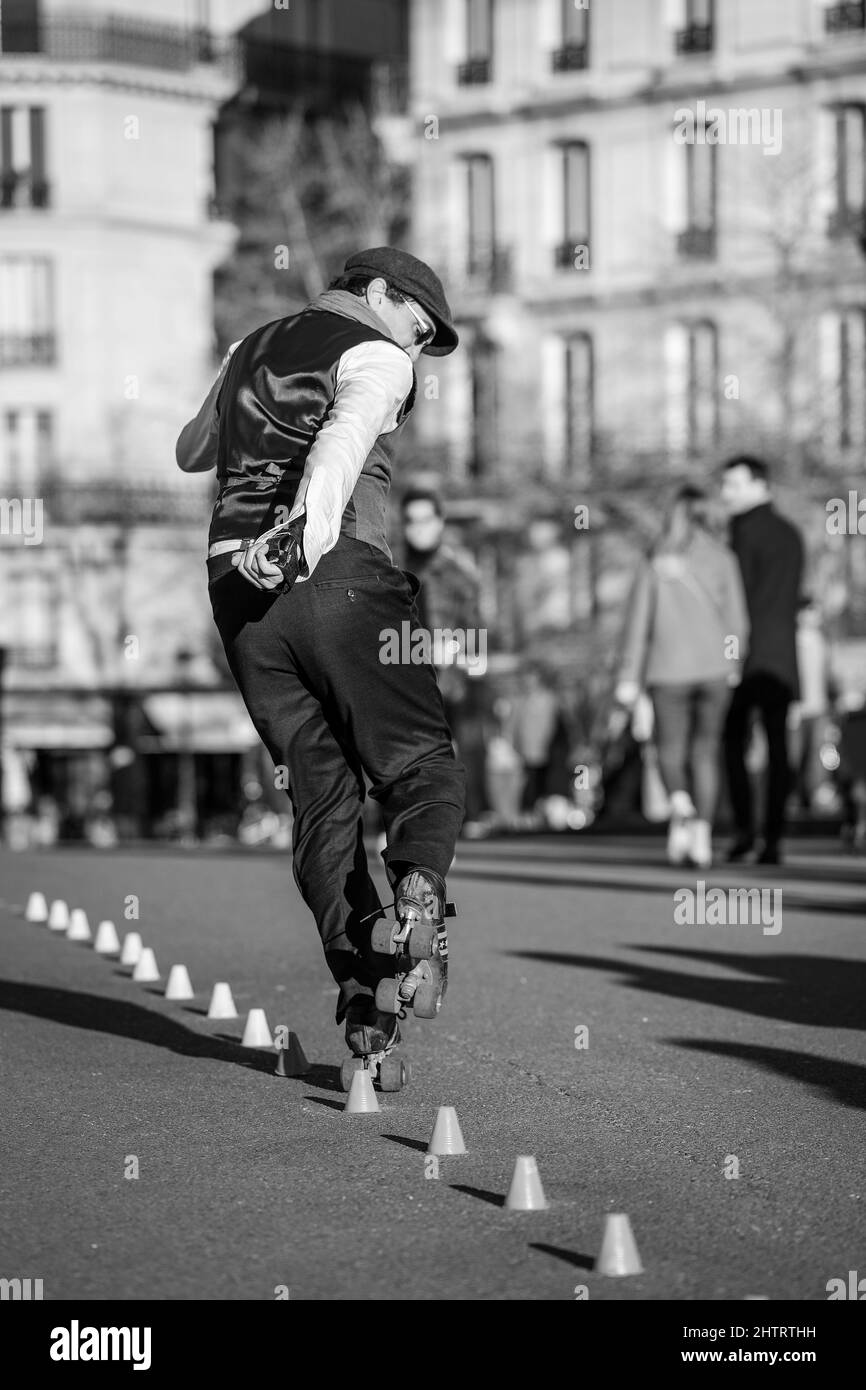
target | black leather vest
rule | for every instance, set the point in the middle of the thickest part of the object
(279, 386)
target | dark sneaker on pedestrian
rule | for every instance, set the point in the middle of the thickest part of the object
(369, 1031)
(770, 854)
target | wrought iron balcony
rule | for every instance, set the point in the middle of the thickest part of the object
(27, 350)
(695, 38)
(107, 38)
(474, 72)
(109, 501)
(487, 267)
(697, 242)
(845, 19)
(573, 57)
(23, 191)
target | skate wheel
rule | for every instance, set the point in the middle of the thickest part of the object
(348, 1069)
(423, 941)
(386, 996)
(393, 1073)
(382, 938)
(428, 996)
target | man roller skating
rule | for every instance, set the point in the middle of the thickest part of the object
(301, 425)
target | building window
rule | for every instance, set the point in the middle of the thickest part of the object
(26, 444)
(33, 601)
(698, 237)
(19, 26)
(843, 369)
(846, 18)
(573, 53)
(849, 171)
(693, 26)
(27, 337)
(579, 405)
(573, 251)
(482, 257)
(691, 362)
(485, 408)
(22, 157)
(479, 43)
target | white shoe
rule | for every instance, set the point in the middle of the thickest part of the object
(701, 849)
(679, 829)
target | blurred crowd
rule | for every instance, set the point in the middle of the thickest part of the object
(721, 705)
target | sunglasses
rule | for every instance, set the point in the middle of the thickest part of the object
(427, 334)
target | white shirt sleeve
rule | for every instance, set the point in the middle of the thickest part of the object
(373, 381)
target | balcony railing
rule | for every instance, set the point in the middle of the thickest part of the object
(28, 350)
(23, 191)
(108, 501)
(697, 242)
(85, 38)
(845, 19)
(486, 267)
(695, 38)
(573, 57)
(566, 253)
(474, 72)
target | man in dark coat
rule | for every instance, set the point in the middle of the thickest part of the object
(770, 551)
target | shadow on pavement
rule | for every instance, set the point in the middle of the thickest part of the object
(571, 1257)
(417, 1144)
(815, 991)
(126, 1020)
(495, 1199)
(844, 1081)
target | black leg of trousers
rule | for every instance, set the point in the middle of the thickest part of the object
(310, 667)
(736, 735)
(775, 699)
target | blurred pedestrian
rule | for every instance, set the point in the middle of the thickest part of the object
(535, 720)
(685, 626)
(807, 714)
(770, 553)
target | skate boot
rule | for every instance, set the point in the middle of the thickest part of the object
(419, 942)
(372, 1037)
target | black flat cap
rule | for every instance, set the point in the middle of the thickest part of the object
(415, 279)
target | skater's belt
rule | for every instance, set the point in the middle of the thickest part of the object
(223, 547)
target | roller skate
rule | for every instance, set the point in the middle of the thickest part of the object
(372, 1037)
(419, 943)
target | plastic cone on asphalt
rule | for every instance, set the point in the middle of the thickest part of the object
(145, 970)
(526, 1192)
(106, 942)
(256, 1032)
(618, 1253)
(291, 1060)
(37, 908)
(131, 948)
(58, 917)
(222, 1005)
(79, 927)
(361, 1099)
(179, 985)
(446, 1137)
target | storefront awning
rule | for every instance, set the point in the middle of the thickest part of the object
(198, 722)
(51, 720)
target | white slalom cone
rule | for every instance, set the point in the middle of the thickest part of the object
(145, 971)
(526, 1192)
(79, 927)
(58, 917)
(618, 1254)
(131, 948)
(447, 1137)
(222, 1005)
(257, 1033)
(362, 1099)
(107, 942)
(179, 984)
(37, 908)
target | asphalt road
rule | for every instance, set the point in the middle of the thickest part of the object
(705, 1044)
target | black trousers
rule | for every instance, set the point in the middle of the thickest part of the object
(328, 709)
(771, 698)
